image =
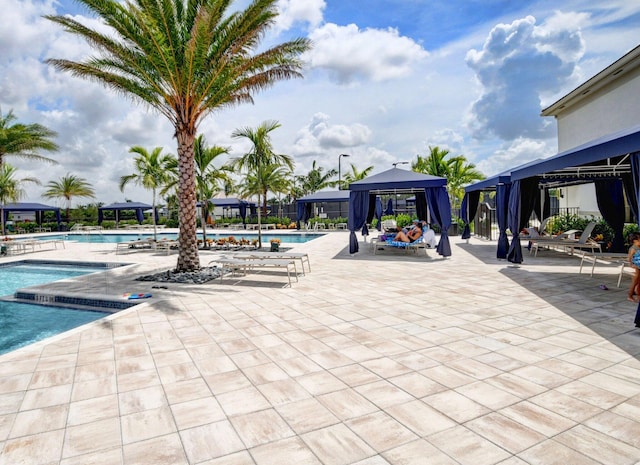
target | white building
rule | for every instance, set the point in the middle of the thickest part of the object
(606, 103)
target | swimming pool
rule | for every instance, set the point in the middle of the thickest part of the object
(16, 275)
(23, 323)
(109, 238)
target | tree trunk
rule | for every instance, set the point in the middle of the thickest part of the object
(153, 214)
(188, 259)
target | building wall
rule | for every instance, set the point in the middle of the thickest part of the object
(610, 109)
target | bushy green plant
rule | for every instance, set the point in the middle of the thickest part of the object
(108, 224)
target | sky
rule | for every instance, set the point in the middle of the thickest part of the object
(384, 81)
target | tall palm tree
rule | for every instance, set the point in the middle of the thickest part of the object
(355, 175)
(185, 59)
(25, 140)
(208, 177)
(11, 189)
(153, 171)
(261, 154)
(273, 176)
(66, 188)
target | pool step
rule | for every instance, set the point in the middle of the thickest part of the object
(71, 301)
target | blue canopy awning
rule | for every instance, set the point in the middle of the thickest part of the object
(326, 196)
(397, 178)
(587, 159)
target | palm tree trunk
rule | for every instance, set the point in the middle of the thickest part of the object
(188, 259)
(153, 213)
(259, 226)
(204, 215)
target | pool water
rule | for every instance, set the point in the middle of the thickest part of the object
(294, 238)
(29, 274)
(22, 324)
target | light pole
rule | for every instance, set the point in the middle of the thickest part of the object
(339, 169)
(400, 163)
(395, 165)
(340, 181)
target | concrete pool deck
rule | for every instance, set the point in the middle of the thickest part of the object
(369, 360)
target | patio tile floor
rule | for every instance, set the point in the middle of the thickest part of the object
(368, 360)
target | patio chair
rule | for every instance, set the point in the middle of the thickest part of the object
(566, 242)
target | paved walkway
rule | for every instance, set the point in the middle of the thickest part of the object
(385, 359)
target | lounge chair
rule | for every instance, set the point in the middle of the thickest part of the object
(301, 256)
(427, 235)
(566, 242)
(246, 264)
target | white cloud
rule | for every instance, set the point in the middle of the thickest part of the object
(319, 136)
(519, 63)
(517, 152)
(299, 11)
(349, 53)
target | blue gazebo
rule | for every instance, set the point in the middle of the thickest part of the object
(138, 207)
(37, 208)
(431, 198)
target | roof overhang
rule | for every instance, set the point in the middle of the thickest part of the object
(616, 70)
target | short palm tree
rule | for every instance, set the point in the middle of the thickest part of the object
(271, 176)
(457, 170)
(185, 59)
(153, 171)
(25, 140)
(11, 189)
(261, 154)
(66, 188)
(316, 179)
(355, 175)
(208, 177)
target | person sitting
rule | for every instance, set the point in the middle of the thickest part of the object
(410, 236)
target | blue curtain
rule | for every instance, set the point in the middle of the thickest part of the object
(139, 215)
(635, 174)
(371, 212)
(468, 211)
(610, 198)
(440, 209)
(542, 207)
(422, 210)
(389, 210)
(502, 211)
(358, 208)
(242, 209)
(522, 199)
(304, 212)
(379, 213)
(100, 216)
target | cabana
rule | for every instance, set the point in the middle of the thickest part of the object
(304, 205)
(37, 208)
(431, 198)
(138, 207)
(501, 184)
(611, 163)
(232, 202)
